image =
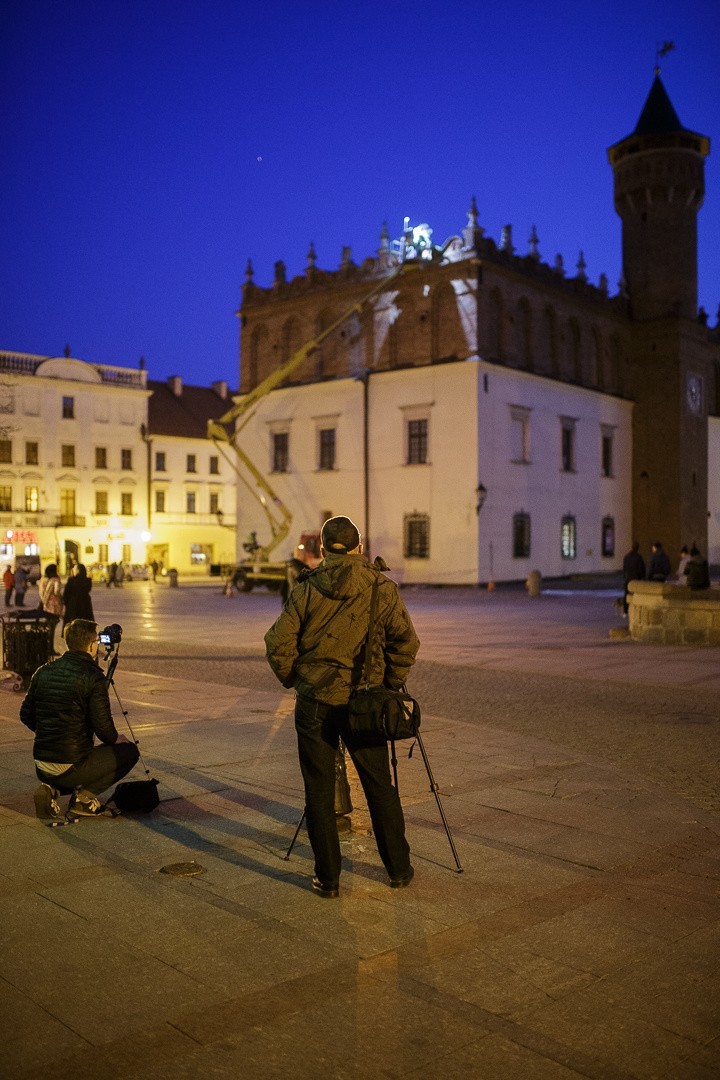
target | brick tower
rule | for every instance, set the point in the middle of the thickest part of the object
(659, 187)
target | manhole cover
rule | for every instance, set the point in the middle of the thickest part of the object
(183, 869)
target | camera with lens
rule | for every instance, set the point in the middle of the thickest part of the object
(111, 635)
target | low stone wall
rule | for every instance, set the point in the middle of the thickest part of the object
(662, 614)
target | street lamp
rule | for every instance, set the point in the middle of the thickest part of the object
(480, 496)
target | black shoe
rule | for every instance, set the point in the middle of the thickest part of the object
(329, 892)
(84, 804)
(404, 881)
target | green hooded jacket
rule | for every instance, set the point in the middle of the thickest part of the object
(317, 645)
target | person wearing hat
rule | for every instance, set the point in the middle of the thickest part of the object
(317, 647)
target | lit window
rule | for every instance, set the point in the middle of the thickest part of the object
(32, 500)
(567, 444)
(67, 456)
(190, 500)
(191, 463)
(5, 498)
(280, 451)
(101, 502)
(160, 461)
(6, 451)
(214, 466)
(608, 537)
(103, 554)
(417, 442)
(68, 408)
(67, 505)
(126, 503)
(521, 536)
(416, 533)
(126, 460)
(32, 453)
(159, 502)
(101, 457)
(568, 538)
(327, 448)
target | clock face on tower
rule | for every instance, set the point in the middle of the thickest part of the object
(694, 394)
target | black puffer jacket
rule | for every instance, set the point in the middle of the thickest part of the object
(66, 705)
(317, 645)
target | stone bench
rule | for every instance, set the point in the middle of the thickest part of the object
(662, 614)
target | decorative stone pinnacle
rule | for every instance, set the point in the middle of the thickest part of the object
(280, 272)
(345, 256)
(581, 268)
(533, 241)
(311, 256)
(384, 237)
(472, 214)
(559, 264)
(506, 243)
(249, 272)
(603, 284)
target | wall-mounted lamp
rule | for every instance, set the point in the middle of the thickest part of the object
(480, 495)
(219, 515)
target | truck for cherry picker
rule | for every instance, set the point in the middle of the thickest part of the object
(260, 567)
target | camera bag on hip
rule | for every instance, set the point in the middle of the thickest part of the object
(376, 711)
(136, 796)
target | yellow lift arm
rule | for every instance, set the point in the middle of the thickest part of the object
(226, 437)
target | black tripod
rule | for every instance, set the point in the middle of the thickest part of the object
(115, 649)
(433, 787)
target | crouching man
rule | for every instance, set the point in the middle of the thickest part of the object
(67, 706)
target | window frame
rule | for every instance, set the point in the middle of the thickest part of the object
(417, 440)
(568, 547)
(521, 518)
(101, 493)
(280, 451)
(32, 457)
(568, 444)
(416, 535)
(126, 504)
(67, 411)
(101, 457)
(160, 461)
(126, 459)
(327, 448)
(607, 529)
(6, 451)
(67, 456)
(191, 463)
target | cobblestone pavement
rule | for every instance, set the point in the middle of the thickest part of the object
(545, 668)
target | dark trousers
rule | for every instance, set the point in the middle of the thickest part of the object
(97, 771)
(318, 729)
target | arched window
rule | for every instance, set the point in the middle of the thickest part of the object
(291, 339)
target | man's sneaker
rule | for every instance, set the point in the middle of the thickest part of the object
(84, 804)
(47, 807)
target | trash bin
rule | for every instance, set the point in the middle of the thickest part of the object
(173, 576)
(27, 639)
(534, 583)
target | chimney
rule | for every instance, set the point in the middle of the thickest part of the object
(175, 384)
(220, 388)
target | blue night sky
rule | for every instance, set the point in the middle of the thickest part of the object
(151, 147)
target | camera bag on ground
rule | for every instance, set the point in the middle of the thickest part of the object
(376, 711)
(136, 796)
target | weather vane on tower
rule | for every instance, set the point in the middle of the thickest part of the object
(660, 51)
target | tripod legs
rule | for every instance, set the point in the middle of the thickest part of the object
(433, 787)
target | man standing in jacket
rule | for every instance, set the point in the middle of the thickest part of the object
(67, 705)
(317, 646)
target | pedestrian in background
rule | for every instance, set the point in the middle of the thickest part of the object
(697, 571)
(78, 604)
(50, 590)
(684, 560)
(21, 581)
(659, 563)
(112, 571)
(119, 575)
(9, 583)
(633, 570)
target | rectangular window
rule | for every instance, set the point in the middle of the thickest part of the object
(32, 453)
(159, 502)
(160, 461)
(103, 554)
(214, 502)
(519, 435)
(606, 466)
(200, 554)
(417, 536)
(567, 444)
(5, 497)
(67, 505)
(191, 463)
(568, 538)
(327, 448)
(608, 537)
(521, 536)
(126, 460)
(6, 451)
(280, 451)
(127, 553)
(101, 502)
(126, 503)
(214, 465)
(190, 500)
(101, 457)
(67, 456)
(417, 442)
(32, 500)
(68, 408)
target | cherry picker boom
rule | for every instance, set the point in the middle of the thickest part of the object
(259, 568)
